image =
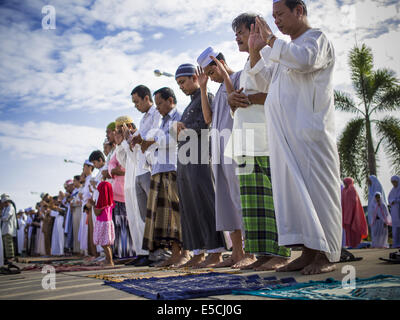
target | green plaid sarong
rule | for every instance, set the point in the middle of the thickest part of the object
(261, 235)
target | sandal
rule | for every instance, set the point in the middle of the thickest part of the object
(347, 256)
(9, 269)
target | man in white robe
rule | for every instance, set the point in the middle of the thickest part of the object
(21, 231)
(301, 130)
(129, 160)
(85, 196)
(57, 239)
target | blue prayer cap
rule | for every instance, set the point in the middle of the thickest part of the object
(185, 70)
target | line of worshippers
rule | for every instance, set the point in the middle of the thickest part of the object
(272, 182)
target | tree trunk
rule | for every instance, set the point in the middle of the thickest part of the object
(370, 149)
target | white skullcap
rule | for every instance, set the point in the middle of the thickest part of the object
(89, 163)
(204, 58)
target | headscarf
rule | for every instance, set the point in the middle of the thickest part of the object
(381, 211)
(354, 221)
(395, 192)
(106, 196)
(375, 187)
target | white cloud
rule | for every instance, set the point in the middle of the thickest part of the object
(37, 139)
(158, 35)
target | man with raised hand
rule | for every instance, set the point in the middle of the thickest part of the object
(300, 114)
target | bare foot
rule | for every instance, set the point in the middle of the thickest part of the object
(183, 259)
(306, 258)
(273, 264)
(107, 265)
(259, 262)
(211, 260)
(226, 263)
(195, 260)
(171, 261)
(320, 264)
(246, 261)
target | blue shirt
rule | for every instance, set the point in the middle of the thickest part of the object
(166, 147)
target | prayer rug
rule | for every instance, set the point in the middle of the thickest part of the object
(196, 286)
(151, 273)
(45, 259)
(68, 268)
(381, 287)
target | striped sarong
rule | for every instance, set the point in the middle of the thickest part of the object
(163, 221)
(261, 235)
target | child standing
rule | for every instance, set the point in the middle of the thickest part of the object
(104, 233)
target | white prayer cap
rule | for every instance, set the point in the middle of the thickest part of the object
(89, 163)
(204, 58)
(21, 211)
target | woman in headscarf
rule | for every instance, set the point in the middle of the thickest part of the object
(394, 202)
(354, 222)
(374, 186)
(379, 220)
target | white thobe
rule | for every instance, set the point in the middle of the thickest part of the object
(304, 160)
(129, 160)
(21, 234)
(83, 227)
(57, 238)
(9, 221)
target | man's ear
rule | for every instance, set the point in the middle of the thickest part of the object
(299, 11)
(195, 78)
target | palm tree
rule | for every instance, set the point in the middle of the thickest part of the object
(377, 92)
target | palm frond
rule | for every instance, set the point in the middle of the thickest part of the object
(352, 150)
(389, 130)
(361, 64)
(389, 100)
(344, 103)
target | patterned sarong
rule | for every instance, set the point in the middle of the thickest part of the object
(261, 236)
(163, 223)
(8, 245)
(123, 245)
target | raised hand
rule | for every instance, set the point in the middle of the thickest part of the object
(220, 67)
(203, 78)
(263, 28)
(256, 41)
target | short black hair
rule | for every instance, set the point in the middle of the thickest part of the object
(142, 91)
(96, 155)
(77, 177)
(291, 4)
(246, 19)
(219, 57)
(166, 93)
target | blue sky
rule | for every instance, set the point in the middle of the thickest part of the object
(60, 88)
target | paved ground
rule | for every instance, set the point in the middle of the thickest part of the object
(76, 286)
